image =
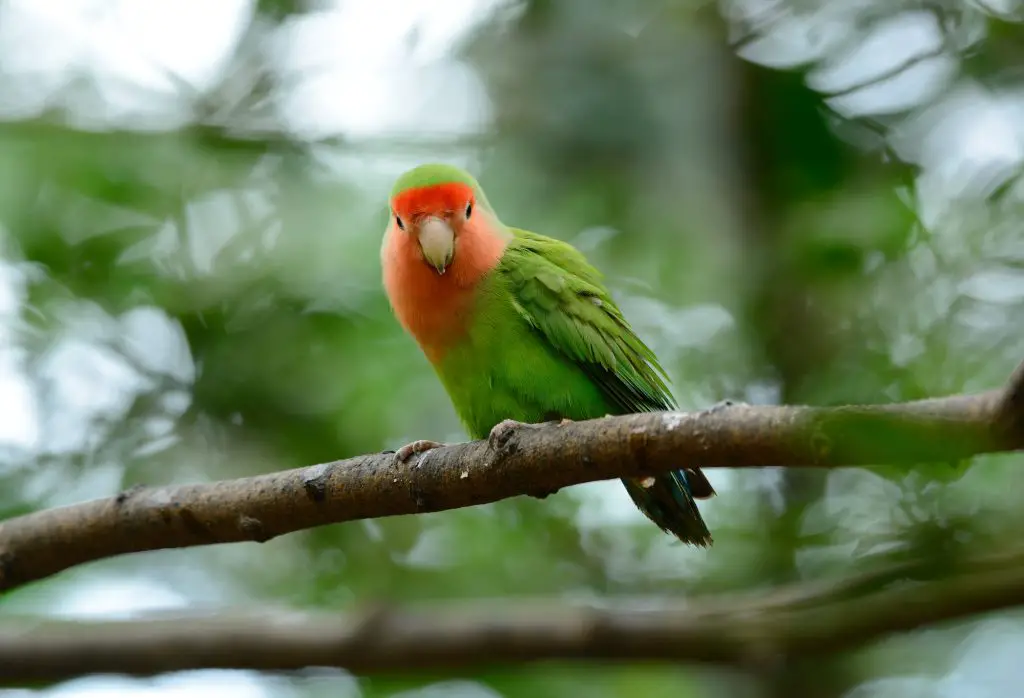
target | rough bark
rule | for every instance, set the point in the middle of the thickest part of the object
(532, 460)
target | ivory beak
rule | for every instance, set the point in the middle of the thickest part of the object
(437, 242)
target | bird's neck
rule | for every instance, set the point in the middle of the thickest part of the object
(436, 309)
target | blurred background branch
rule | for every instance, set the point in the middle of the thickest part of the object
(531, 459)
(465, 636)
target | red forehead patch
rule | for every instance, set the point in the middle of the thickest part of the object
(435, 199)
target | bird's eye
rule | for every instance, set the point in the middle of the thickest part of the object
(469, 209)
(398, 221)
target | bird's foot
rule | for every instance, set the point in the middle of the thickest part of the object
(502, 432)
(406, 452)
(719, 406)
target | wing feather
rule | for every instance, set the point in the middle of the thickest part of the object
(562, 296)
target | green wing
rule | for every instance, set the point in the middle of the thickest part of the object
(562, 296)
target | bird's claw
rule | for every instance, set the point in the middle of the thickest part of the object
(502, 432)
(406, 452)
(719, 406)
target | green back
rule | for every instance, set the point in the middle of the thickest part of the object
(548, 342)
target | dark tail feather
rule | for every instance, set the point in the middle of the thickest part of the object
(669, 501)
(700, 488)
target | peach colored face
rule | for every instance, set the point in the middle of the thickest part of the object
(434, 217)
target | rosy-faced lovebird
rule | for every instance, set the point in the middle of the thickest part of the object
(519, 326)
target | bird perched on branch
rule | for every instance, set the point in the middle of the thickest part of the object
(520, 329)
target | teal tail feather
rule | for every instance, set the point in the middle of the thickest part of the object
(669, 500)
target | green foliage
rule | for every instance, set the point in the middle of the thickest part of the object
(201, 301)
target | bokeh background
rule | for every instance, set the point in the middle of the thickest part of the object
(794, 201)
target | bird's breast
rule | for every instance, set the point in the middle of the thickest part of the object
(431, 307)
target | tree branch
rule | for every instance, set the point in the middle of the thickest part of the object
(396, 640)
(537, 459)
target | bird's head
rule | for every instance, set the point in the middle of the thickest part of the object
(438, 210)
(442, 239)
(433, 217)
